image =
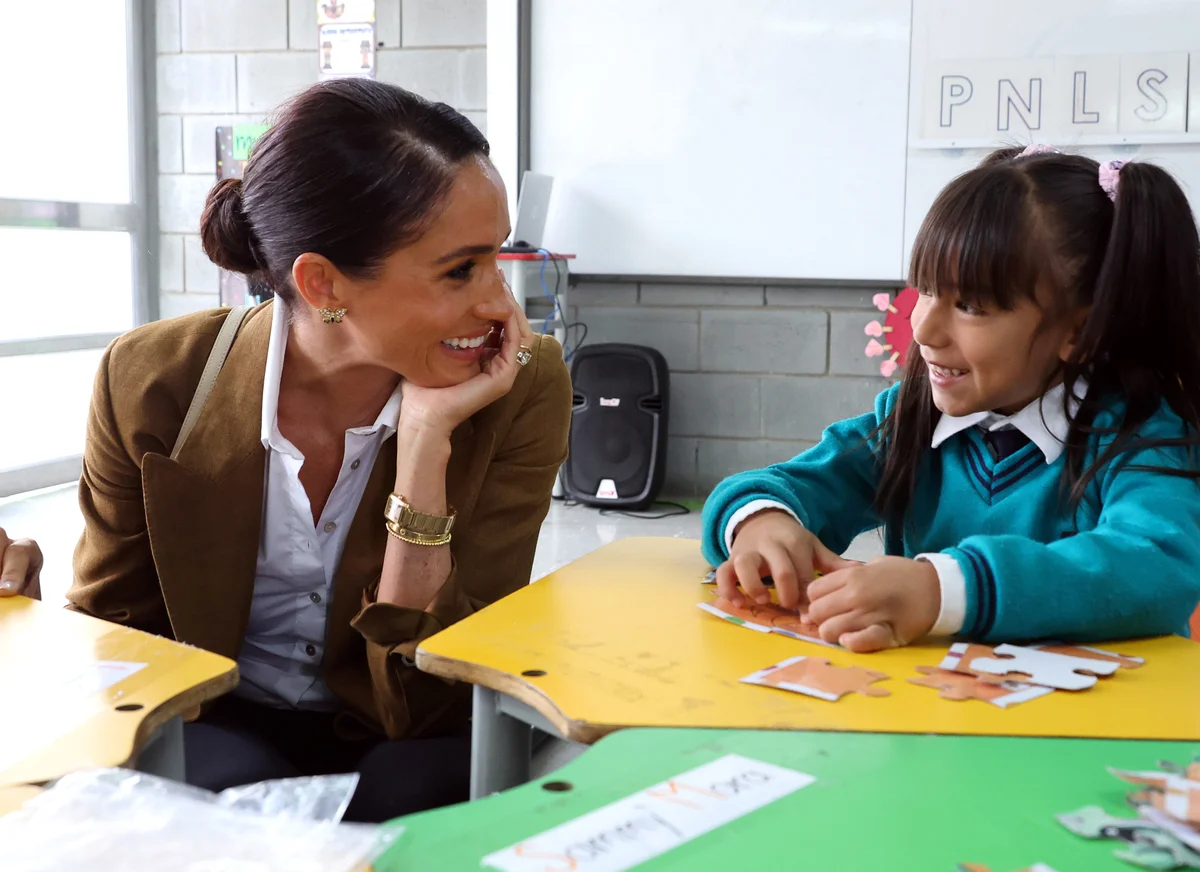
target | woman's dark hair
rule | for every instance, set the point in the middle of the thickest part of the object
(1018, 222)
(351, 169)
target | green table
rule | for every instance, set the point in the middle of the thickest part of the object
(881, 802)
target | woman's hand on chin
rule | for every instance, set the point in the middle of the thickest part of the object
(440, 410)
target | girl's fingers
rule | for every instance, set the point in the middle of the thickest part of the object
(748, 567)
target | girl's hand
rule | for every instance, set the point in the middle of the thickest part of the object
(443, 409)
(773, 543)
(20, 567)
(887, 603)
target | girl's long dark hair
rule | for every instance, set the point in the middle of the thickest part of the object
(1015, 222)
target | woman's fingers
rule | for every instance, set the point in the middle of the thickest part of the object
(20, 567)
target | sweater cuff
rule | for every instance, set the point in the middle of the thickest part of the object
(981, 595)
(953, 610)
(748, 510)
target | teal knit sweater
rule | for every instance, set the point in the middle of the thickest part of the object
(1126, 564)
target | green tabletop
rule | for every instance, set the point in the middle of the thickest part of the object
(881, 802)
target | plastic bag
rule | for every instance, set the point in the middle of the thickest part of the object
(114, 820)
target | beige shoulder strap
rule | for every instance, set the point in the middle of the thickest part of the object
(208, 378)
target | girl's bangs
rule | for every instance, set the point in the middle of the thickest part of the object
(976, 243)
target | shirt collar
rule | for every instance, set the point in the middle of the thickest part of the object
(1044, 421)
(385, 422)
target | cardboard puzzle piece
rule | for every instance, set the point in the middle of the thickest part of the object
(1122, 660)
(1147, 845)
(769, 618)
(959, 686)
(1186, 833)
(1030, 665)
(1174, 794)
(816, 676)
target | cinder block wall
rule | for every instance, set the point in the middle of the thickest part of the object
(757, 372)
(234, 61)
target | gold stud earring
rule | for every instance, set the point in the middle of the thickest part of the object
(332, 316)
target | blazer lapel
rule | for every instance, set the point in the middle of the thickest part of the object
(204, 510)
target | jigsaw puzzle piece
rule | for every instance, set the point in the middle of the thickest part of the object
(816, 676)
(1087, 653)
(959, 686)
(1027, 664)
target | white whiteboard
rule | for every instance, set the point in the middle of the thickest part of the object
(765, 138)
(986, 30)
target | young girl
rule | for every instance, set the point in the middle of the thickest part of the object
(1036, 469)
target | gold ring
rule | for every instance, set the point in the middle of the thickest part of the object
(524, 354)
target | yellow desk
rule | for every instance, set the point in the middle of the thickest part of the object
(12, 798)
(77, 692)
(615, 640)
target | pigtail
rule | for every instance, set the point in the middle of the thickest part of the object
(1141, 340)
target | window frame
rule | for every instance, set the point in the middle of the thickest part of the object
(138, 218)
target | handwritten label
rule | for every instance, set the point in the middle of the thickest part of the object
(244, 136)
(655, 820)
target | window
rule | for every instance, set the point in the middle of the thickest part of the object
(72, 213)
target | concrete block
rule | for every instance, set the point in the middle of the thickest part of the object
(665, 294)
(170, 262)
(247, 25)
(190, 83)
(479, 119)
(703, 404)
(432, 73)
(264, 81)
(825, 298)
(801, 408)
(174, 305)
(302, 25)
(605, 293)
(473, 79)
(848, 342)
(167, 37)
(720, 458)
(791, 342)
(681, 468)
(200, 275)
(779, 450)
(444, 22)
(674, 332)
(199, 139)
(170, 144)
(180, 202)
(387, 23)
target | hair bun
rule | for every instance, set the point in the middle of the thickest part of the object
(225, 231)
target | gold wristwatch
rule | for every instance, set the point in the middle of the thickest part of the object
(417, 528)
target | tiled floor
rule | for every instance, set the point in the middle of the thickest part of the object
(52, 518)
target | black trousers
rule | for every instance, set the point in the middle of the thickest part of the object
(238, 742)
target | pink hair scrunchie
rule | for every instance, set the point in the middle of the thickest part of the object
(1110, 177)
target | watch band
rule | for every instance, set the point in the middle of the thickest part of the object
(422, 525)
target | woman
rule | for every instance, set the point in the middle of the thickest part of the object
(392, 374)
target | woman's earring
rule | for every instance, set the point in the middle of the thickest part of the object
(332, 316)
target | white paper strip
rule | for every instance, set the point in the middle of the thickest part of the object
(630, 831)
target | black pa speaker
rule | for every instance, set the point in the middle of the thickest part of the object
(618, 453)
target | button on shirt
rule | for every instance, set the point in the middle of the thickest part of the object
(280, 660)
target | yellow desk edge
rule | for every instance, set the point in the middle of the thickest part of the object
(572, 621)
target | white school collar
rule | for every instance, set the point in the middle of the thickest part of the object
(1044, 421)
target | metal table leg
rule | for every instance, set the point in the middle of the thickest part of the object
(500, 746)
(163, 754)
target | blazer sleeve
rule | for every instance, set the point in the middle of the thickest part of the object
(494, 556)
(114, 577)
